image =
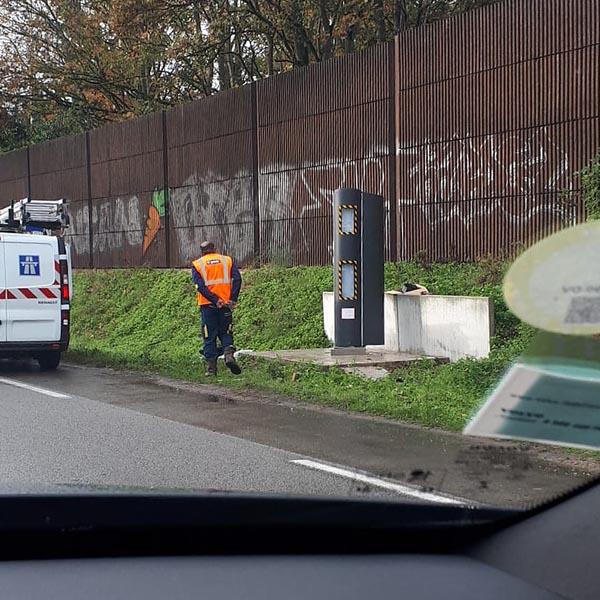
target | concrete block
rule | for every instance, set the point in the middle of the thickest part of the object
(328, 316)
(452, 327)
(390, 320)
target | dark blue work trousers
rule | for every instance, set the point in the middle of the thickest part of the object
(216, 325)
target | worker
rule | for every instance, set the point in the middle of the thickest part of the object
(218, 282)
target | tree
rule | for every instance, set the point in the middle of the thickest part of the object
(102, 59)
(70, 65)
(13, 132)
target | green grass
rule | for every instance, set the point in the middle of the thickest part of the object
(146, 319)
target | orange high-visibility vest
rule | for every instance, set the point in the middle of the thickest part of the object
(215, 269)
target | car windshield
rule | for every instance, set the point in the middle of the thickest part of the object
(343, 249)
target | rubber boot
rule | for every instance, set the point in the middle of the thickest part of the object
(228, 356)
(211, 367)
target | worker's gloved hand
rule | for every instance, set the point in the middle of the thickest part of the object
(220, 303)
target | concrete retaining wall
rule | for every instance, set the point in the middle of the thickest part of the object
(451, 327)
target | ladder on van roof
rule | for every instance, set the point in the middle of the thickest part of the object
(36, 216)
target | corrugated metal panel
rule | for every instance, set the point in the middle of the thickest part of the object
(320, 128)
(225, 114)
(13, 176)
(70, 184)
(210, 176)
(126, 169)
(58, 169)
(234, 239)
(497, 35)
(205, 209)
(78, 234)
(333, 85)
(13, 165)
(119, 232)
(61, 154)
(489, 142)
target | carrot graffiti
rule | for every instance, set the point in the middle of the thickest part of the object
(155, 212)
(152, 228)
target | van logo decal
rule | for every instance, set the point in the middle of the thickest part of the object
(29, 264)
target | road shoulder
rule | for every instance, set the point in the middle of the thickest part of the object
(490, 471)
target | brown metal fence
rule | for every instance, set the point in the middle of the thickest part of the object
(472, 128)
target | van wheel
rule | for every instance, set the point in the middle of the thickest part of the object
(49, 361)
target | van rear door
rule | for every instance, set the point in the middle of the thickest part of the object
(3, 300)
(32, 288)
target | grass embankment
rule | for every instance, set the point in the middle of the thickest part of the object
(146, 319)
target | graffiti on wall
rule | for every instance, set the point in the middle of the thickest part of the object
(156, 212)
(289, 194)
(453, 175)
(205, 207)
(78, 232)
(462, 180)
(116, 224)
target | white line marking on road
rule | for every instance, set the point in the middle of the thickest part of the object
(381, 483)
(33, 388)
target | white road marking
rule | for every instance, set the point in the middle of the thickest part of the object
(33, 388)
(381, 483)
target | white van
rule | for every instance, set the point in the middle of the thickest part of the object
(35, 294)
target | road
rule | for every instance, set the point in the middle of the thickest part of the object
(85, 426)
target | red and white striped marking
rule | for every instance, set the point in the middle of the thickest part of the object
(29, 294)
(42, 293)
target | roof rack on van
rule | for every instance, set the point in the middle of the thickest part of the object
(36, 216)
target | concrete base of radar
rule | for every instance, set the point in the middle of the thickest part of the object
(324, 357)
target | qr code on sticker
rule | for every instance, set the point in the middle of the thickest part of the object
(584, 309)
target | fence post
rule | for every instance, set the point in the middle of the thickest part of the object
(28, 174)
(166, 192)
(88, 168)
(255, 192)
(394, 107)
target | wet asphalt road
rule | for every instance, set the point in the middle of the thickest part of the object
(79, 441)
(89, 426)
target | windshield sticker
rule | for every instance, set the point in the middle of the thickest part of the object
(542, 405)
(555, 285)
(569, 354)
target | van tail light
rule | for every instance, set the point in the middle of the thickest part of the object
(65, 298)
(65, 292)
